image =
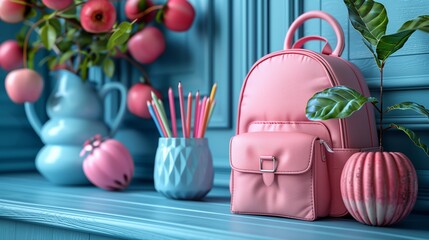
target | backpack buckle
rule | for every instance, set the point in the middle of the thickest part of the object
(267, 158)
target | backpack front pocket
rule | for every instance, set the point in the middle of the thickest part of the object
(279, 173)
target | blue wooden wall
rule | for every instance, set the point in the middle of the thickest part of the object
(18, 142)
(225, 40)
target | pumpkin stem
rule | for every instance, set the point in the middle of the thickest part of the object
(381, 107)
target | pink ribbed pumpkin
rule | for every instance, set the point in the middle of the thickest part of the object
(109, 164)
(379, 188)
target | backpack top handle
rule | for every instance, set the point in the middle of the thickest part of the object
(316, 14)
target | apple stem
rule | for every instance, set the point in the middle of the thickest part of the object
(139, 67)
(147, 11)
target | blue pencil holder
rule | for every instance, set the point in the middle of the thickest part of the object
(183, 168)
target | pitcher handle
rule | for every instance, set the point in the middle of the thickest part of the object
(32, 117)
(105, 90)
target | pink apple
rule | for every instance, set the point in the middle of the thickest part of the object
(147, 45)
(134, 9)
(137, 97)
(98, 16)
(11, 56)
(178, 15)
(12, 12)
(24, 85)
(56, 4)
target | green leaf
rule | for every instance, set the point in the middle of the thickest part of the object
(69, 13)
(412, 135)
(389, 44)
(84, 67)
(409, 106)
(31, 12)
(31, 55)
(120, 35)
(99, 45)
(419, 23)
(160, 14)
(370, 47)
(142, 5)
(56, 24)
(49, 16)
(20, 36)
(70, 33)
(84, 38)
(48, 36)
(369, 18)
(335, 102)
(66, 56)
(46, 59)
(65, 45)
(52, 62)
(108, 67)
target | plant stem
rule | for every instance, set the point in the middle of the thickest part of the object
(376, 108)
(147, 11)
(27, 37)
(381, 107)
(139, 67)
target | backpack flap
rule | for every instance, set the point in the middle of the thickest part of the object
(283, 173)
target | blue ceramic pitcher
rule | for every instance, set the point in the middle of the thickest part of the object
(76, 113)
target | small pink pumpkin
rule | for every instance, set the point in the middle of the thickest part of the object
(379, 188)
(108, 165)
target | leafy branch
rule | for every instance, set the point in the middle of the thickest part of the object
(370, 19)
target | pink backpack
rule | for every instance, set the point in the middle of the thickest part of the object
(282, 163)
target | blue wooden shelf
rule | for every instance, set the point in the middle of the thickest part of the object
(142, 213)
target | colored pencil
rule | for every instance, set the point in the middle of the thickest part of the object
(211, 109)
(201, 115)
(189, 115)
(161, 112)
(196, 113)
(182, 109)
(172, 112)
(152, 113)
(164, 132)
(213, 92)
(206, 116)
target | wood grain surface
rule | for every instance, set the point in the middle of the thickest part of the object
(32, 208)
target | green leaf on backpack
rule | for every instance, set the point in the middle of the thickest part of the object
(335, 102)
(413, 136)
(369, 18)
